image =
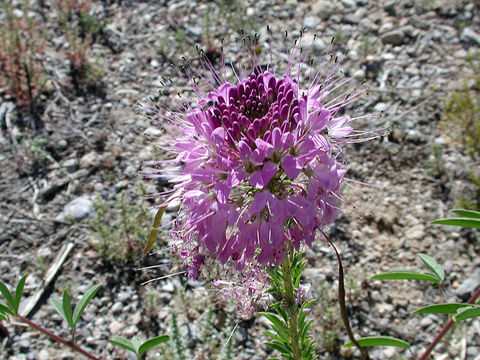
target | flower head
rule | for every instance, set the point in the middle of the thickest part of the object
(260, 166)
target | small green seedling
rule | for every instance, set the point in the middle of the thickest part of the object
(135, 346)
(12, 301)
(64, 307)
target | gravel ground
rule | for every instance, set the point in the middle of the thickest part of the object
(80, 173)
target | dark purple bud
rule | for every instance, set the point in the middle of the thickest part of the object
(276, 115)
(295, 110)
(217, 112)
(248, 103)
(251, 132)
(241, 90)
(284, 112)
(221, 100)
(244, 121)
(248, 89)
(264, 123)
(226, 122)
(253, 94)
(285, 127)
(267, 136)
(289, 95)
(256, 125)
(270, 94)
(272, 84)
(215, 121)
(274, 124)
(233, 93)
(260, 80)
(236, 129)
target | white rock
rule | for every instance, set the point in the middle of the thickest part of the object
(79, 208)
(115, 327)
(468, 35)
(323, 9)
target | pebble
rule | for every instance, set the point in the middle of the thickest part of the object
(394, 37)
(323, 8)
(469, 35)
(115, 327)
(78, 209)
(469, 285)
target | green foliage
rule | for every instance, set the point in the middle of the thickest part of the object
(286, 315)
(21, 43)
(12, 301)
(379, 341)
(64, 307)
(121, 230)
(450, 308)
(178, 342)
(136, 346)
(470, 219)
(81, 28)
(436, 277)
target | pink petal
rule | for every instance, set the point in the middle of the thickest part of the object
(292, 166)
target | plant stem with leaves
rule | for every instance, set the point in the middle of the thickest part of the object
(288, 313)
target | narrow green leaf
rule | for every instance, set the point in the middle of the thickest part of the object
(3, 317)
(277, 325)
(5, 310)
(279, 346)
(433, 265)
(6, 294)
(19, 292)
(67, 309)
(449, 308)
(379, 341)
(467, 213)
(153, 233)
(123, 343)
(147, 345)
(464, 314)
(464, 222)
(59, 307)
(272, 335)
(405, 275)
(82, 304)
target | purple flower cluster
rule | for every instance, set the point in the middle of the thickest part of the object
(260, 170)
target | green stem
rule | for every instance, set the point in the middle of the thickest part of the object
(291, 307)
(56, 338)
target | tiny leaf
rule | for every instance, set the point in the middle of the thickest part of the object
(153, 233)
(19, 292)
(5, 310)
(82, 304)
(464, 222)
(147, 345)
(136, 344)
(405, 275)
(450, 308)
(464, 314)
(467, 213)
(6, 294)
(433, 265)
(379, 341)
(123, 343)
(59, 307)
(67, 309)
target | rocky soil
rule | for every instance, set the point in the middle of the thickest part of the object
(92, 146)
